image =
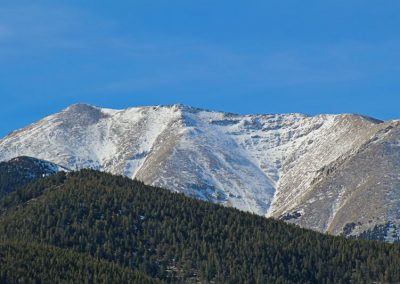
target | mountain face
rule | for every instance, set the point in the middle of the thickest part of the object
(331, 173)
(20, 171)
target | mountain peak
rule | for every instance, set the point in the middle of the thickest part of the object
(82, 109)
(272, 165)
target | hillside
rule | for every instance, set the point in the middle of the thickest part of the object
(178, 239)
(20, 171)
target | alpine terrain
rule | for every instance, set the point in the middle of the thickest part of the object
(331, 173)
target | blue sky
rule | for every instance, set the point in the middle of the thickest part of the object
(239, 56)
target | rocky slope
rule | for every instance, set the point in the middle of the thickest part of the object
(331, 173)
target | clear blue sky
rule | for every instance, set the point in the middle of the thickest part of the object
(239, 56)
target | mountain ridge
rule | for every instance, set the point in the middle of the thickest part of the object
(271, 165)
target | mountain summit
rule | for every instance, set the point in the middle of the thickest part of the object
(331, 173)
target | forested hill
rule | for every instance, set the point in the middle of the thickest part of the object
(178, 239)
(20, 171)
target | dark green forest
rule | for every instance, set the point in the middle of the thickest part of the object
(168, 236)
(32, 263)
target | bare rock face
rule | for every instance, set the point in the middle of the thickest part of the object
(331, 173)
(360, 191)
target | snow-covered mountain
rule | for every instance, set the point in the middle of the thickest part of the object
(331, 173)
